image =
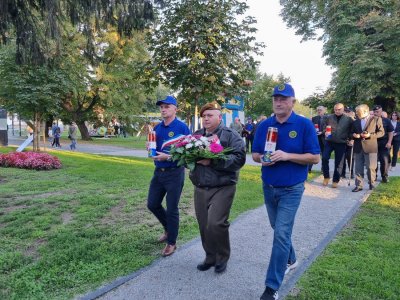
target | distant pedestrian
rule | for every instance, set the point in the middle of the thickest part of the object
(366, 130)
(56, 138)
(214, 189)
(248, 134)
(237, 126)
(283, 179)
(384, 143)
(318, 122)
(396, 139)
(168, 178)
(72, 134)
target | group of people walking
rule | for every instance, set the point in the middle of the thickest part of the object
(361, 140)
(55, 132)
(283, 177)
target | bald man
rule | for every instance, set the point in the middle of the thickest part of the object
(336, 142)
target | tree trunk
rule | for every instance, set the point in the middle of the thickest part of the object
(84, 131)
(36, 132)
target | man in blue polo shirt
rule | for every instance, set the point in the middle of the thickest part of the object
(168, 178)
(283, 179)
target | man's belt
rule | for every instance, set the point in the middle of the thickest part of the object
(167, 169)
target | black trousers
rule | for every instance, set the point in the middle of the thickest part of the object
(212, 206)
(383, 158)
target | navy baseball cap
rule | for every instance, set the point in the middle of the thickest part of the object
(284, 89)
(167, 100)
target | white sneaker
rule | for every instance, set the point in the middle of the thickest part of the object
(291, 267)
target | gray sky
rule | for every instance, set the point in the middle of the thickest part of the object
(302, 62)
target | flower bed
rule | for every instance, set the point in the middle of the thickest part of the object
(29, 160)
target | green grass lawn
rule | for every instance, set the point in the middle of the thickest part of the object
(65, 232)
(363, 260)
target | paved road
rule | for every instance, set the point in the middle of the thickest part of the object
(322, 214)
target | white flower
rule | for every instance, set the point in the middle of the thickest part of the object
(198, 143)
(204, 139)
(188, 146)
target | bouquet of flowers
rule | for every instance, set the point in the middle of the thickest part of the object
(191, 148)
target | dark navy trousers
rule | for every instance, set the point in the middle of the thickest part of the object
(168, 183)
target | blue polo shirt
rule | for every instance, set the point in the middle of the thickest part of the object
(296, 135)
(165, 133)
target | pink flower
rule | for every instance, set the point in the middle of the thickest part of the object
(216, 148)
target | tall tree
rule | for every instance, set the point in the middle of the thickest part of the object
(38, 24)
(112, 78)
(202, 50)
(32, 91)
(361, 40)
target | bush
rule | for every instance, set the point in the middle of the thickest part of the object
(29, 160)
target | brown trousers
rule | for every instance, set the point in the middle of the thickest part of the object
(212, 208)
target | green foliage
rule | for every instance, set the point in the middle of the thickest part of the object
(202, 50)
(30, 89)
(361, 41)
(39, 25)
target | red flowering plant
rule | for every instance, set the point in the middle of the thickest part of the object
(191, 148)
(29, 160)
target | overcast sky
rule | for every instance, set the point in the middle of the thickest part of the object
(302, 62)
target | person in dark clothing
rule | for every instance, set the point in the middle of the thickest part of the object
(168, 178)
(384, 143)
(248, 134)
(349, 159)
(340, 134)
(214, 189)
(396, 139)
(318, 122)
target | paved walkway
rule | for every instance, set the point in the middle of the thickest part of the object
(322, 214)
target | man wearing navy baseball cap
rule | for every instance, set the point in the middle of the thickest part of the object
(168, 178)
(167, 100)
(285, 90)
(283, 179)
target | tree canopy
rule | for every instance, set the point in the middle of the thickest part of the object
(203, 49)
(361, 40)
(38, 25)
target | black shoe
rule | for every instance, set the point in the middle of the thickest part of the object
(269, 294)
(357, 189)
(385, 180)
(220, 267)
(204, 266)
(371, 186)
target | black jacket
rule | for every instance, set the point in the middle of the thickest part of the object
(221, 172)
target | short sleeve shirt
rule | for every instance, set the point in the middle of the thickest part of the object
(296, 135)
(165, 133)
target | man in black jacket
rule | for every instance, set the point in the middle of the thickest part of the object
(336, 142)
(214, 189)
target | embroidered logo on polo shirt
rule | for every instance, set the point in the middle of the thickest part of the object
(171, 134)
(292, 134)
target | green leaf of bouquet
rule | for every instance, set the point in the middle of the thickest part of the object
(191, 166)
